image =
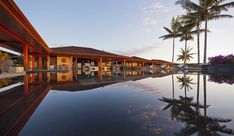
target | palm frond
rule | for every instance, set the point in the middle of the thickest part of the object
(167, 36)
(168, 30)
(215, 17)
(188, 5)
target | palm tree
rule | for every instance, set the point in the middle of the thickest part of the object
(185, 55)
(172, 33)
(194, 21)
(185, 33)
(207, 10)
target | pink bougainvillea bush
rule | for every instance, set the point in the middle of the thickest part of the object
(229, 59)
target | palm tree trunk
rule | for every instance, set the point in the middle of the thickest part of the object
(205, 44)
(198, 43)
(185, 48)
(204, 85)
(185, 89)
(173, 51)
(185, 45)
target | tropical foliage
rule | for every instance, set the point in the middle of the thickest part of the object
(185, 55)
(172, 33)
(204, 11)
(229, 59)
(5, 62)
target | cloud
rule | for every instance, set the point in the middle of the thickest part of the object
(151, 14)
(138, 51)
(155, 7)
(148, 21)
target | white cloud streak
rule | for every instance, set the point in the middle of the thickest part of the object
(156, 7)
(148, 21)
(138, 51)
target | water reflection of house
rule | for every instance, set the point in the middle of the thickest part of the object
(18, 103)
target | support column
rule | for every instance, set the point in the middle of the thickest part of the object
(26, 57)
(48, 62)
(72, 64)
(75, 65)
(33, 62)
(124, 64)
(100, 63)
(40, 62)
(100, 75)
(100, 68)
(32, 78)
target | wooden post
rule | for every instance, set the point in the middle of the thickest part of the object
(75, 65)
(100, 75)
(40, 62)
(32, 78)
(48, 62)
(26, 56)
(33, 62)
(100, 63)
(72, 64)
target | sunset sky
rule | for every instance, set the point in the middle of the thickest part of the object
(128, 27)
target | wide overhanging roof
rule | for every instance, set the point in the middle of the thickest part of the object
(16, 30)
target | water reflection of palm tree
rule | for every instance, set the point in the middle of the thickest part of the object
(183, 103)
(180, 106)
(186, 111)
(198, 90)
(203, 125)
(173, 86)
(186, 82)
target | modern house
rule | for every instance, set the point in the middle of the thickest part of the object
(17, 34)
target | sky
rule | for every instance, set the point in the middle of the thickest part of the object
(127, 27)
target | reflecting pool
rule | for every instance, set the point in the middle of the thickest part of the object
(130, 103)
